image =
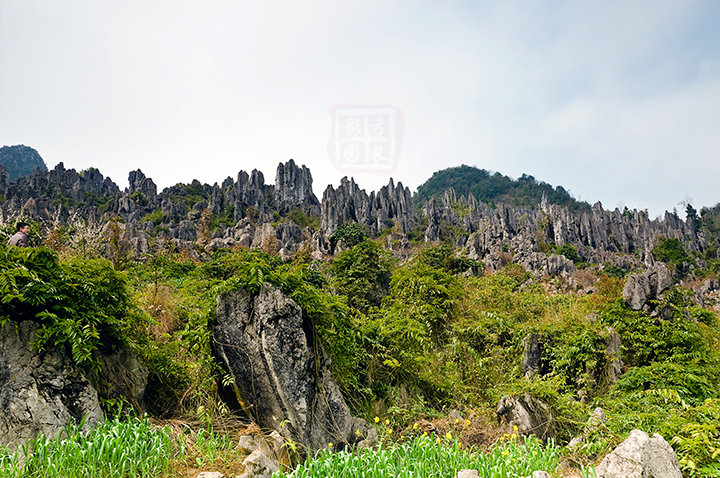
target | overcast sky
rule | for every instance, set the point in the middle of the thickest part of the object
(617, 101)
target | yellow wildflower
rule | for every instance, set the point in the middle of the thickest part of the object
(415, 426)
(448, 435)
(330, 445)
(387, 421)
(377, 419)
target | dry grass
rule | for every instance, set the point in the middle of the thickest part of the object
(158, 301)
(209, 448)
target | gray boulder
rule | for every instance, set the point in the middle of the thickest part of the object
(39, 393)
(123, 374)
(649, 285)
(259, 465)
(280, 375)
(530, 415)
(641, 456)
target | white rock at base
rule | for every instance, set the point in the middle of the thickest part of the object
(467, 474)
(259, 465)
(641, 456)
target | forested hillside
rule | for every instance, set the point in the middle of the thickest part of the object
(19, 161)
(495, 188)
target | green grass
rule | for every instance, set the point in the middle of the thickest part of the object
(428, 457)
(131, 448)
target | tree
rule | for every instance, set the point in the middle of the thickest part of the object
(362, 274)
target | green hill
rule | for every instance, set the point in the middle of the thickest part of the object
(20, 161)
(495, 188)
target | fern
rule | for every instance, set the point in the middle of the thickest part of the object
(80, 303)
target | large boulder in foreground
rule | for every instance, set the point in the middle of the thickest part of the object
(39, 393)
(640, 456)
(280, 375)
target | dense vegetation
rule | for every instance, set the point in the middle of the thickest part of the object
(495, 188)
(408, 340)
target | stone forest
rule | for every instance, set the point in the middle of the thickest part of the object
(481, 326)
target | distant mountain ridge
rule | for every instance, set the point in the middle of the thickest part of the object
(495, 188)
(524, 221)
(20, 160)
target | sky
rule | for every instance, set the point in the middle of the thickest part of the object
(617, 101)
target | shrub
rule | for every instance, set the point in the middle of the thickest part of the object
(351, 234)
(303, 219)
(671, 251)
(441, 257)
(569, 251)
(647, 339)
(362, 274)
(81, 303)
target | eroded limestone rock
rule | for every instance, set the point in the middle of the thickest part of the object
(39, 393)
(649, 285)
(280, 374)
(530, 415)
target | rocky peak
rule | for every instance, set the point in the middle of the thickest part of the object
(293, 188)
(138, 182)
(378, 211)
(348, 203)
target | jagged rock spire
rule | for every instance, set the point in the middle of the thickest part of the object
(293, 188)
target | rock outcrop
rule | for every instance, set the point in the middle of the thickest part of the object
(281, 376)
(530, 415)
(613, 368)
(122, 374)
(649, 285)
(640, 456)
(532, 362)
(39, 393)
(293, 189)
(378, 211)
